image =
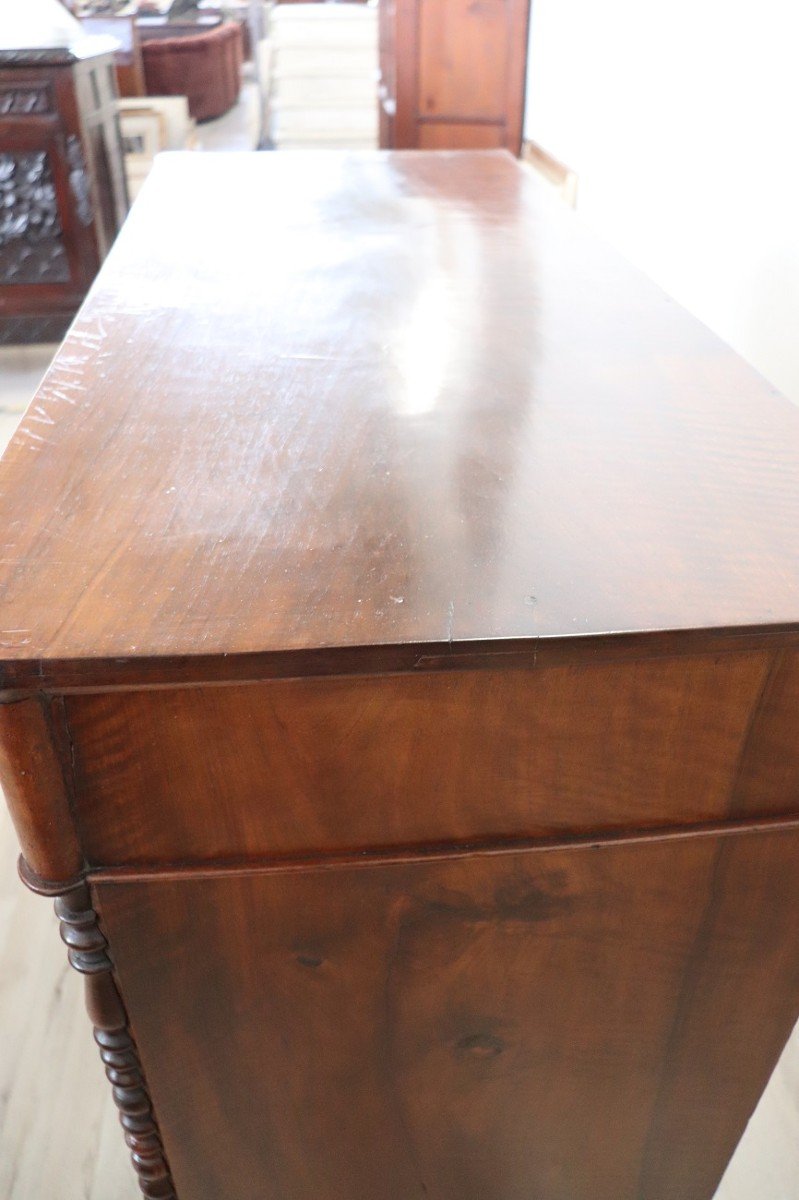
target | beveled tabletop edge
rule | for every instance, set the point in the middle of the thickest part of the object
(20, 678)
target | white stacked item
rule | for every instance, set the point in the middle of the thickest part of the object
(324, 71)
(148, 125)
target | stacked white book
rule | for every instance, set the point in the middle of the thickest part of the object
(324, 69)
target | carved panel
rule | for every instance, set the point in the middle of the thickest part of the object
(88, 953)
(24, 99)
(54, 56)
(31, 241)
(79, 181)
(25, 329)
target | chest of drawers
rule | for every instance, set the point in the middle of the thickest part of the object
(400, 689)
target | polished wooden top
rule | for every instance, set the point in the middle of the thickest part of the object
(382, 400)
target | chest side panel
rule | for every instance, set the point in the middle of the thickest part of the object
(576, 1024)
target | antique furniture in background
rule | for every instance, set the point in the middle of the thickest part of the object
(400, 691)
(150, 125)
(249, 14)
(452, 73)
(204, 67)
(156, 28)
(127, 53)
(62, 182)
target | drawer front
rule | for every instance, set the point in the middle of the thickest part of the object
(320, 766)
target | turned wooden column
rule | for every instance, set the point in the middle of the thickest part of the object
(88, 953)
(36, 780)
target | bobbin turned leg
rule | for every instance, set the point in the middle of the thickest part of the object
(88, 953)
(35, 759)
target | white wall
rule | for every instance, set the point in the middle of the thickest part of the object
(36, 23)
(681, 119)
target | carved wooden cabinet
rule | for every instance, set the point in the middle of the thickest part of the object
(400, 689)
(62, 183)
(452, 73)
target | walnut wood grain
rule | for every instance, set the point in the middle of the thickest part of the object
(769, 765)
(431, 411)
(320, 766)
(582, 1024)
(88, 953)
(34, 782)
(399, 631)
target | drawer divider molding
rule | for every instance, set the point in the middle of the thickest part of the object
(454, 850)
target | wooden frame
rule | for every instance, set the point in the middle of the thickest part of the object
(143, 131)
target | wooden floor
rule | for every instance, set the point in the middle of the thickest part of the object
(59, 1137)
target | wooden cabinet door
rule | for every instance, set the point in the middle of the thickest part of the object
(574, 1023)
(49, 255)
(458, 73)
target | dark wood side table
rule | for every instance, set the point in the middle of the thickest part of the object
(63, 194)
(400, 689)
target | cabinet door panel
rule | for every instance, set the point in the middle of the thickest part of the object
(581, 1024)
(463, 58)
(49, 256)
(442, 135)
(455, 69)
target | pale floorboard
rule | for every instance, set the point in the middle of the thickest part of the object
(59, 1135)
